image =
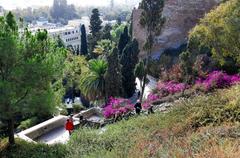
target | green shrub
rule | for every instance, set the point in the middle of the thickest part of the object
(215, 109)
(78, 107)
(218, 34)
(63, 112)
(24, 149)
(28, 123)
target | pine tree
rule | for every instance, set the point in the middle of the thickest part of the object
(129, 60)
(84, 47)
(113, 75)
(36, 65)
(123, 41)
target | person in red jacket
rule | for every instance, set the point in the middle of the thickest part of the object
(69, 126)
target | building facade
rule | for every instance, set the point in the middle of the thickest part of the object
(70, 34)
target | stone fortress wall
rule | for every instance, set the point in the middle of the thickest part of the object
(181, 16)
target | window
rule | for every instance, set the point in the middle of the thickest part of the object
(66, 33)
(73, 32)
(69, 33)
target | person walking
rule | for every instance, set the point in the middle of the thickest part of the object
(69, 126)
(138, 107)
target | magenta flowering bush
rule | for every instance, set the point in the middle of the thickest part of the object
(117, 106)
(171, 87)
(151, 97)
(217, 79)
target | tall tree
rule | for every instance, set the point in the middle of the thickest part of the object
(123, 41)
(75, 67)
(113, 76)
(151, 19)
(84, 46)
(58, 9)
(30, 68)
(61, 12)
(95, 22)
(129, 60)
(95, 28)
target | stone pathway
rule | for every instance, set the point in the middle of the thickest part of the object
(58, 135)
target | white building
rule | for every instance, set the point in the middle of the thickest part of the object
(69, 34)
(1, 11)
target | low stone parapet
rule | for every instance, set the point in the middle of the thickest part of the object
(36, 131)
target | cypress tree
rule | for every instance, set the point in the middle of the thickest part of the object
(152, 19)
(113, 77)
(95, 22)
(129, 60)
(95, 28)
(84, 47)
(123, 41)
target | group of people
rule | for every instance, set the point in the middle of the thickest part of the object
(69, 126)
(138, 105)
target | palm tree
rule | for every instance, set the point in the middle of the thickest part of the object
(92, 83)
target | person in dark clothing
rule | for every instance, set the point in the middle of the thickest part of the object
(138, 107)
(150, 110)
(139, 94)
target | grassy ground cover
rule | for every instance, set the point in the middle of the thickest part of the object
(202, 126)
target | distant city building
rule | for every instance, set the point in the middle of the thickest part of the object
(1, 11)
(70, 34)
(42, 21)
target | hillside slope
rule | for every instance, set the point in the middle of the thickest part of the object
(206, 125)
(202, 126)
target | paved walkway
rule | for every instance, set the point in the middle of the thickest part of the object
(58, 135)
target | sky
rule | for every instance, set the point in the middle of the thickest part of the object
(12, 4)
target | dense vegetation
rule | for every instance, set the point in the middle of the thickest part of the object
(202, 88)
(217, 35)
(30, 72)
(202, 126)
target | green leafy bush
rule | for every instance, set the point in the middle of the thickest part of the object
(77, 107)
(28, 123)
(215, 109)
(24, 149)
(218, 34)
